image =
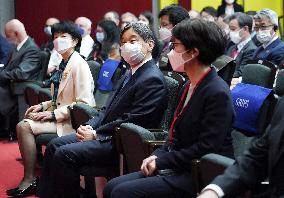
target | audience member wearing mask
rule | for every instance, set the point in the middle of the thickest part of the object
(266, 26)
(72, 83)
(223, 23)
(140, 98)
(107, 34)
(209, 14)
(169, 17)
(5, 49)
(253, 33)
(48, 46)
(87, 43)
(147, 18)
(24, 65)
(202, 122)
(127, 18)
(229, 7)
(112, 16)
(244, 48)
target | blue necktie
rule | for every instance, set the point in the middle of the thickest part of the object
(127, 79)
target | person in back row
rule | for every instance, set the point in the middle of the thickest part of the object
(266, 26)
(202, 121)
(240, 28)
(72, 83)
(169, 17)
(87, 43)
(140, 98)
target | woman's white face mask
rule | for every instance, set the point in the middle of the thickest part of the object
(62, 44)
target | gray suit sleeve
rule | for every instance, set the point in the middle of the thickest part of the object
(248, 170)
(29, 65)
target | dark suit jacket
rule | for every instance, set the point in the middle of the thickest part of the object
(141, 101)
(23, 65)
(273, 53)
(243, 57)
(204, 126)
(256, 41)
(5, 49)
(237, 8)
(264, 159)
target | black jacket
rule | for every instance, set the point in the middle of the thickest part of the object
(141, 101)
(204, 127)
(221, 9)
(264, 159)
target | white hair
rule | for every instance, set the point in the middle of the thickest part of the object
(270, 14)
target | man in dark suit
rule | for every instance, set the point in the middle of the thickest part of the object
(141, 98)
(23, 63)
(264, 159)
(240, 28)
(266, 26)
(5, 48)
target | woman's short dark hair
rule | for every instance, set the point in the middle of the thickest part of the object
(176, 13)
(70, 28)
(148, 16)
(203, 35)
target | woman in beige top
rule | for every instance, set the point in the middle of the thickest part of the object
(72, 83)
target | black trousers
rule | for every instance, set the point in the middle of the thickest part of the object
(137, 185)
(64, 156)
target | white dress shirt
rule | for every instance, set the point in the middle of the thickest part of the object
(20, 45)
(86, 46)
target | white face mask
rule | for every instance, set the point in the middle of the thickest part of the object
(235, 36)
(100, 36)
(61, 45)
(264, 36)
(132, 53)
(47, 30)
(165, 34)
(177, 61)
(230, 1)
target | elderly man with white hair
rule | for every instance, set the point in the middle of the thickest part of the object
(112, 16)
(23, 64)
(266, 26)
(87, 43)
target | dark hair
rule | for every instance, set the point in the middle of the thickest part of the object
(111, 36)
(70, 28)
(251, 13)
(224, 2)
(243, 20)
(210, 10)
(206, 36)
(141, 29)
(176, 13)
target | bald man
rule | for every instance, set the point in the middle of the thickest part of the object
(87, 42)
(112, 16)
(23, 64)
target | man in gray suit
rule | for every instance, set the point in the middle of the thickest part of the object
(23, 64)
(240, 29)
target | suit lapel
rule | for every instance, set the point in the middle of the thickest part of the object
(66, 75)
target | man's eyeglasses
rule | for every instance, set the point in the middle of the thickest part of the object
(264, 27)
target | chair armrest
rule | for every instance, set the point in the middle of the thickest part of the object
(81, 113)
(153, 145)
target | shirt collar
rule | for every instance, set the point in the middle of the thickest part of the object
(133, 70)
(272, 40)
(241, 45)
(20, 45)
